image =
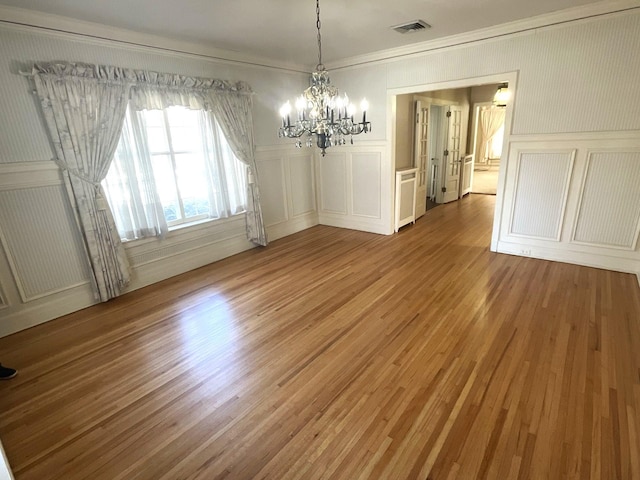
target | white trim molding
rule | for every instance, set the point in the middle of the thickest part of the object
(99, 34)
(577, 257)
(16, 176)
(42, 310)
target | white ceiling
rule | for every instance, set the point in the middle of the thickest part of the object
(284, 30)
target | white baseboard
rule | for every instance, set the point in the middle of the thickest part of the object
(295, 225)
(23, 316)
(167, 267)
(355, 223)
(45, 309)
(607, 262)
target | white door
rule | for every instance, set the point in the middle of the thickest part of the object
(421, 156)
(452, 160)
(467, 174)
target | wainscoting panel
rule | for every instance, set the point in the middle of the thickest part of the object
(609, 212)
(43, 269)
(355, 187)
(303, 195)
(272, 190)
(333, 182)
(542, 183)
(365, 172)
(573, 198)
(287, 187)
(45, 251)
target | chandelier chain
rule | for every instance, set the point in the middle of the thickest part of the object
(320, 66)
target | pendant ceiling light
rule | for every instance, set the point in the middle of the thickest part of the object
(320, 111)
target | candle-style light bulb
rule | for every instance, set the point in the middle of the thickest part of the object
(285, 110)
(364, 105)
(351, 110)
(300, 103)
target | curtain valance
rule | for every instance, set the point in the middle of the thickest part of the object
(164, 81)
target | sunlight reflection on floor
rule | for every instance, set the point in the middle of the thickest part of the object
(209, 339)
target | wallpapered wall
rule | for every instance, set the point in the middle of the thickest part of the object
(577, 77)
(574, 144)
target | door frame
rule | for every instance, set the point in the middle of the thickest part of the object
(507, 77)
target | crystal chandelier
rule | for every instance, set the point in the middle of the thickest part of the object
(320, 111)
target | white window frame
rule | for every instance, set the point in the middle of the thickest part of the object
(172, 155)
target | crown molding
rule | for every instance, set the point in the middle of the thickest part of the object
(582, 13)
(99, 34)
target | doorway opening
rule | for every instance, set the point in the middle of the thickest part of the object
(454, 135)
(488, 136)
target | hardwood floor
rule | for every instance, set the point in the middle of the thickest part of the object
(340, 354)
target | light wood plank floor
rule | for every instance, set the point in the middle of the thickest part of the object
(340, 354)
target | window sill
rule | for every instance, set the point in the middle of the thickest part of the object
(183, 228)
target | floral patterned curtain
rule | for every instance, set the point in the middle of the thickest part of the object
(84, 113)
(233, 112)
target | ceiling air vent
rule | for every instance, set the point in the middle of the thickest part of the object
(411, 27)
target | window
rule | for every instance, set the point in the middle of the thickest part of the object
(172, 167)
(495, 144)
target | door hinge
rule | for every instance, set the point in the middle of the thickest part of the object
(444, 189)
(448, 113)
(417, 117)
(446, 153)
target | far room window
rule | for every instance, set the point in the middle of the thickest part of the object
(180, 157)
(495, 144)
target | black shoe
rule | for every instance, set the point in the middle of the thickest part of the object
(7, 373)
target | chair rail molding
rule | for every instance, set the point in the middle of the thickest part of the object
(16, 176)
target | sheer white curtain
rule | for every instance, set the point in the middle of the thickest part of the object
(491, 119)
(130, 185)
(227, 176)
(134, 191)
(233, 112)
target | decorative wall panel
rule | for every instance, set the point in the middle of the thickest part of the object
(540, 193)
(302, 184)
(42, 241)
(366, 174)
(609, 212)
(333, 182)
(272, 190)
